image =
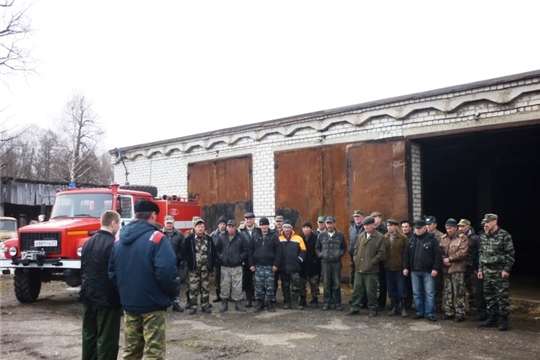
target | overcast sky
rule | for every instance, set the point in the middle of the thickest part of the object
(155, 70)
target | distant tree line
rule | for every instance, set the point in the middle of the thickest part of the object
(69, 153)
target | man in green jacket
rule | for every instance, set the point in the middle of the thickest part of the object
(368, 252)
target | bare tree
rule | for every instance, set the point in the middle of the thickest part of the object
(14, 31)
(80, 132)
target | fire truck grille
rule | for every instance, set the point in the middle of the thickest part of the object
(48, 241)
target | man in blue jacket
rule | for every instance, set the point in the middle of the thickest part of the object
(143, 268)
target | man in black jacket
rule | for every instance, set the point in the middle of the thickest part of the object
(264, 259)
(311, 267)
(423, 261)
(176, 238)
(251, 232)
(232, 251)
(101, 301)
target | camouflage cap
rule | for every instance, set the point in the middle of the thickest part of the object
(321, 219)
(279, 218)
(431, 219)
(358, 213)
(490, 217)
(464, 222)
(196, 220)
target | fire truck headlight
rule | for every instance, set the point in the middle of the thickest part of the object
(79, 251)
(13, 251)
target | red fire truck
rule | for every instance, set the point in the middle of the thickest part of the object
(51, 250)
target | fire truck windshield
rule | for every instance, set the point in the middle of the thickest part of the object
(81, 205)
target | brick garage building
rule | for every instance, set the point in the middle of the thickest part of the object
(454, 152)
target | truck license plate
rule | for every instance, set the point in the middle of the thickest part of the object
(45, 243)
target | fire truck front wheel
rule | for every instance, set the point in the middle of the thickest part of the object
(27, 284)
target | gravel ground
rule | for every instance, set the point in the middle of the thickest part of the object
(51, 329)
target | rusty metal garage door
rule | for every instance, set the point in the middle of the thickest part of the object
(225, 187)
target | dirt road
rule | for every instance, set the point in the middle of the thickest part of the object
(51, 329)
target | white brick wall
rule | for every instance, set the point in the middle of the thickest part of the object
(165, 166)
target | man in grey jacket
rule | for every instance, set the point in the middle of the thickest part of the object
(330, 248)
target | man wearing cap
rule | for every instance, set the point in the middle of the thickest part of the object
(471, 278)
(199, 254)
(221, 229)
(251, 231)
(321, 225)
(311, 267)
(279, 224)
(293, 254)
(395, 243)
(264, 259)
(330, 248)
(368, 253)
(232, 252)
(381, 227)
(186, 234)
(431, 223)
(176, 239)
(142, 255)
(422, 260)
(481, 306)
(454, 246)
(354, 230)
(278, 227)
(496, 261)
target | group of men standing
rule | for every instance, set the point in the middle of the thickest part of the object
(251, 259)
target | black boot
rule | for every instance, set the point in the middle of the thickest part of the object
(404, 309)
(224, 306)
(260, 306)
(286, 301)
(239, 306)
(315, 302)
(176, 306)
(218, 297)
(302, 301)
(295, 304)
(394, 310)
(504, 323)
(188, 301)
(490, 322)
(270, 306)
(249, 298)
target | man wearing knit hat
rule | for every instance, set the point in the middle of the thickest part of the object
(293, 255)
(264, 259)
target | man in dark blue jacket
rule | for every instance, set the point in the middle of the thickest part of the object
(101, 309)
(143, 267)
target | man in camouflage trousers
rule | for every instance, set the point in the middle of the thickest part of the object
(496, 261)
(293, 255)
(143, 255)
(264, 259)
(454, 246)
(471, 274)
(199, 254)
(221, 229)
